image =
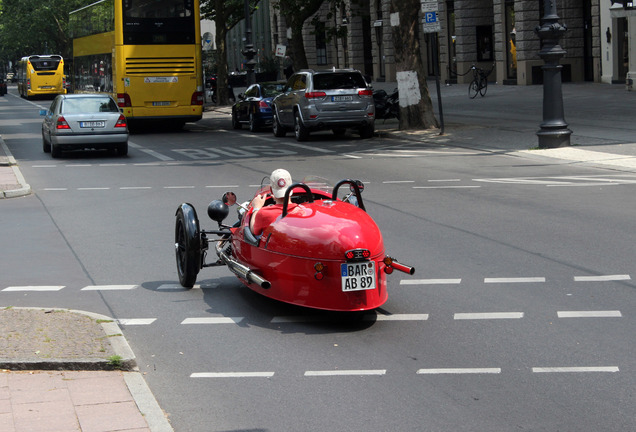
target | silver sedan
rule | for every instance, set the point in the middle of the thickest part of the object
(84, 121)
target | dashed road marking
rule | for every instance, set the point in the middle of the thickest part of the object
(515, 280)
(605, 278)
(361, 372)
(34, 288)
(232, 375)
(213, 320)
(488, 315)
(136, 321)
(443, 371)
(575, 369)
(109, 287)
(430, 281)
(590, 314)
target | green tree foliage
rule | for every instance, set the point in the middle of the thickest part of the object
(35, 27)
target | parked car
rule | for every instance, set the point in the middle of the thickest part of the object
(333, 99)
(254, 108)
(84, 121)
(10, 76)
(3, 87)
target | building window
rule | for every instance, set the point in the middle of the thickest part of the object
(321, 44)
(484, 43)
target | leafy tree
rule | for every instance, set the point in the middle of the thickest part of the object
(35, 27)
(296, 12)
(416, 108)
(226, 14)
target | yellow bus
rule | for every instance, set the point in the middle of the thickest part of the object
(41, 75)
(146, 53)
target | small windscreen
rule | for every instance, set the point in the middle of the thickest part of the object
(89, 105)
(344, 80)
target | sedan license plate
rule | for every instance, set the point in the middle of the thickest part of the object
(341, 98)
(92, 124)
(358, 276)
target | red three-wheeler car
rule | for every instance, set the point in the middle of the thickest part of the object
(327, 253)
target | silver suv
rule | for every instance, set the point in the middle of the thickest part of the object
(333, 99)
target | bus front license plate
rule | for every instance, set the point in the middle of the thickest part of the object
(358, 276)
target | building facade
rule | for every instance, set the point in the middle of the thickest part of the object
(497, 35)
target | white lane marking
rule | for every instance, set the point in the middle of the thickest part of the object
(136, 321)
(446, 187)
(34, 288)
(43, 166)
(397, 317)
(232, 375)
(430, 281)
(361, 372)
(109, 287)
(150, 152)
(488, 315)
(55, 189)
(444, 180)
(306, 147)
(112, 165)
(213, 320)
(582, 184)
(441, 371)
(92, 188)
(350, 156)
(227, 186)
(515, 280)
(575, 369)
(135, 187)
(590, 314)
(604, 278)
(78, 165)
(398, 181)
(178, 187)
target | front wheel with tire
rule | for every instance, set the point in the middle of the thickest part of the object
(235, 121)
(473, 89)
(187, 243)
(484, 88)
(277, 128)
(300, 130)
(46, 146)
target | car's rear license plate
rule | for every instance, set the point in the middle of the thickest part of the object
(92, 124)
(161, 103)
(358, 276)
(341, 98)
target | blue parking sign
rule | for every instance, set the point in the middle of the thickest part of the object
(430, 17)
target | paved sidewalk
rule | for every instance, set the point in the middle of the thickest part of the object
(67, 371)
(12, 183)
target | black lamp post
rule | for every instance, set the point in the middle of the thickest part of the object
(249, 52)
(554, 130)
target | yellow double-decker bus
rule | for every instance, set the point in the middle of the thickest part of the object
(41, 75)
(146, 53)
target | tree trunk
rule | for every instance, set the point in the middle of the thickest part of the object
(220, 21)
(296, 43)
(416, 108)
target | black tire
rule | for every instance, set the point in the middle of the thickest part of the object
(122, 149)
(46, 147)
(473, 89)
(235, 122)
(300, 131)
(55, 151)
(484, 89)
(187, 242)
(367, 131)
(277, 128)
(253, 124)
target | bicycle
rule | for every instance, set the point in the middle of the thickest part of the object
(479, 84)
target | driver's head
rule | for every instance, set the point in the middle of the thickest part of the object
(279, 181)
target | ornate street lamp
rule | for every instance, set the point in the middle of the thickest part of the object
(554, 130)
(249, 52)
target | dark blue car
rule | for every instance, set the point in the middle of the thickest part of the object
(254, 108)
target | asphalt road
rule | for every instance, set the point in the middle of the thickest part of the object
(520, 315)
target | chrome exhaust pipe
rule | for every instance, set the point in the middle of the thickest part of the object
(242, 271)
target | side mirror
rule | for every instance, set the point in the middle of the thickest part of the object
(229, 198)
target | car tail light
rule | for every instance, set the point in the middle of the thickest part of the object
(319, 267)
(123, 100)
(29, 84)
(315, 95)
(367, 92)
(61, 123)
(197, 98)
(263, 105)
(357, 254)
(121, 122)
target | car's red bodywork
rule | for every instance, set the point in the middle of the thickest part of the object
(299, 256)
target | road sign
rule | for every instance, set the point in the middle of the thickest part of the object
(430, 23)
(430, 6)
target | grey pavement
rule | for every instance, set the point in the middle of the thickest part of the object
(87, 379)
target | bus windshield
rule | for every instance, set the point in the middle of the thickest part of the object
(158, 22)
(44, 64)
